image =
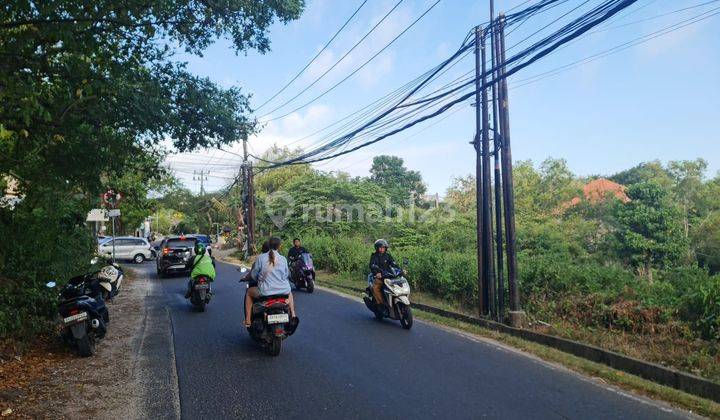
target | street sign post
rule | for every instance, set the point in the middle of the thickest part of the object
(114, 214)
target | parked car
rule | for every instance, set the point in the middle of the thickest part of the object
(175, 254)
(127, 248)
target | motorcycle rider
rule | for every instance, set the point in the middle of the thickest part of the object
(272, 275)
(380, 261)
(202, 265)
(294, 255)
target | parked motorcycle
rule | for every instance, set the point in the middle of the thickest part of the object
(396, 292)
(303, 272)
(271, 322)
(110, 277)
(201, 292)
(83, 314)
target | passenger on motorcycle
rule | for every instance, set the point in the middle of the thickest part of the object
(381, 261)
(272, 275)
(252, 282)
(202, 265)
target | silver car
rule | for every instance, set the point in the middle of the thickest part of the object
(127, 248)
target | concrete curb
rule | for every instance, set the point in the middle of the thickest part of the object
(682, 381)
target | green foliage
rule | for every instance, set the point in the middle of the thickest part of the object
(389, 173)
(90, 95)
(45, 239)
(322, 202)
(644, 172)
(649, 228)
(577, 262)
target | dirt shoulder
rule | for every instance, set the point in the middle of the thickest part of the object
(49, 381)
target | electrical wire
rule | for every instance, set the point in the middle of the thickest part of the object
(337, 62)
(618, 48)
(333, 87)
(523, 59)
(314, 58)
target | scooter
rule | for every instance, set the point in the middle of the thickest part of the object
(110, 277)
(201, 292)
(396, 302)
(271, 323)
(83, 314)
(304, 272)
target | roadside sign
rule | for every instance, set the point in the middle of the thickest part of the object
(112, 198)
(114, 213)
(97, 215)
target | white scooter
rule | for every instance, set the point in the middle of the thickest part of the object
(396, 292)
(110, 278)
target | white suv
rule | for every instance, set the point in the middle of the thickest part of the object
(127, 248)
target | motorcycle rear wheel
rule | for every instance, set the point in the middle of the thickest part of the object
(274, 346)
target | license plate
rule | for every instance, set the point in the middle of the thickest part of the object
(74, 318)
(278, 318)
(202, 286)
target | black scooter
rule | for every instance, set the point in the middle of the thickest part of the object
(271, 322)
(303, 272)
(83, 314)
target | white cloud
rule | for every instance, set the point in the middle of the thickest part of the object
(382, 65)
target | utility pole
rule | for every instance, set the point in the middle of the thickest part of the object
(479, 193)
(488, 275)
(201, 176)
(497, 143)
(249, 204)
(517, 316)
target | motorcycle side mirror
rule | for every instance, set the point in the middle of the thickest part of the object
(50, 284)
(94, 260)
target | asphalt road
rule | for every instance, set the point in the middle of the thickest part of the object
(341, 363)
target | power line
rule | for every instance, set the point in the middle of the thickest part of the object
(526, 57)
(337, 62)
(361, 66)
(314, 58)
(621, 47)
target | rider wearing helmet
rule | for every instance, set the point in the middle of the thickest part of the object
(380, 261)
(202, 265)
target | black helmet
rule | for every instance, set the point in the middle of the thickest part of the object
(381, 243)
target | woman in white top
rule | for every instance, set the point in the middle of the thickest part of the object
(273, 277)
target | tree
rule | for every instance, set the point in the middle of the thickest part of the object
(461, 194)
(88, 89)
(644, 172)
(687, 176)
(389, 173)
(649, 229)
(268, 182)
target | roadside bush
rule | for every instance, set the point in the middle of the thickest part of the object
(346, 255)
(701, 306)
(43, 240)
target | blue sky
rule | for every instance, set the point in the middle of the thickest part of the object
(657, 100)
